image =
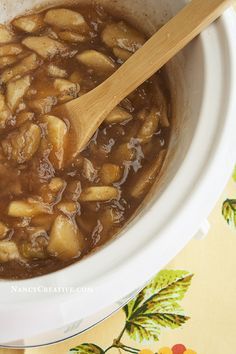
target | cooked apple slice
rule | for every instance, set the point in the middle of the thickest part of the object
(45, 46)
(122, 36)
(26, 65)
(99, 194)
(72, 37)
(124, 152)
(3, 230)
(44, 221)
(57, 184)
(110, 220)
(67, 90)
(161, 103)
(145, 179)
(36, 243)
(149, 127)
(67, 19)
(142, 115)
(73, 190)
(89, 171)
(122, 54)
(43, 105)
(27, 208)
(5, 113)
(12, 59)
(8, 60)
(51, 193)
(16, 91)
(56, 135)
(54, 71)
(66, 241)
(96, 61)
(30, 23)
(22, 144)
(23, 117)
(76, 77)
(10, 49)
(8, 251)
(6, 35)
(62, 86)
(118, 115)
(36, 246)
(110, 173)
(68, 208)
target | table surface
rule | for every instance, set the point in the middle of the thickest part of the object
(195, 309)
(204, 275)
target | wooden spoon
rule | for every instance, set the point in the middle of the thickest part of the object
(87, 113)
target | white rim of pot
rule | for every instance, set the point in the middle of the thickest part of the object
(110, 279)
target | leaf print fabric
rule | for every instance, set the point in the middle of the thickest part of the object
(87, 348)
(229, 211)
(157, 306)
(229, 207)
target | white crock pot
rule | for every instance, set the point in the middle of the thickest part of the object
(203, 79)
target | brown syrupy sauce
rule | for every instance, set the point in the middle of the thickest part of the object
(96, 221)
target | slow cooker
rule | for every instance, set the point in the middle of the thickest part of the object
(57, 306)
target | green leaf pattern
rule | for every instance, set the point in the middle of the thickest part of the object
(229, 211)
(229, 207)
(157, 306)
(142, 329)
(234, 174)
(87, 348)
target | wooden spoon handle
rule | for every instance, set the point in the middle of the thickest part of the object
(87, 113)
(161, 47)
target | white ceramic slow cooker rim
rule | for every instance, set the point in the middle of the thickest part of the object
(125, 270)
(225, 172)
(99, 254)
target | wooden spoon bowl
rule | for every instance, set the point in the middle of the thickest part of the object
(87, 113)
